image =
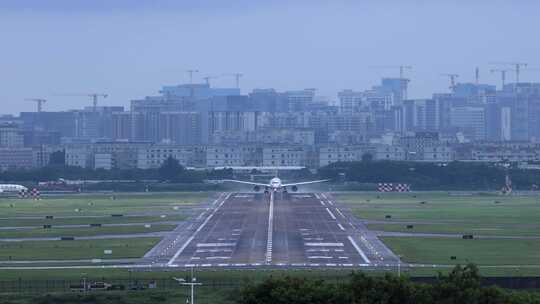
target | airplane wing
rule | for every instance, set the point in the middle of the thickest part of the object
(244, 182)
(306, 183)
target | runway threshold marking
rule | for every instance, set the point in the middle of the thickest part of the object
(340, 213)
(358, 249)
(324, 244)
(322, 203)
(177, 254)
(331, 214)
(270, 229)
(215, 244)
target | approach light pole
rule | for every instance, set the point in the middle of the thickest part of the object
(84, 282)
(399, 266)
(193, 283)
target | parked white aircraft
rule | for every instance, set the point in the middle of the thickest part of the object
(275, 184)
(12, 188)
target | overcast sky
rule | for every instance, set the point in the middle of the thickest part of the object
(129, 49)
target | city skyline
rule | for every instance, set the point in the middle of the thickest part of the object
(129, 51)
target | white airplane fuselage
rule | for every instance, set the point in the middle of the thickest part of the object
(275, 183)
(12, 188)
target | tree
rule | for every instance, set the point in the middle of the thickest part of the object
(57, 158)
(171, 170)
(367, 157)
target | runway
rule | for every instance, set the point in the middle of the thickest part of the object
(278, 230)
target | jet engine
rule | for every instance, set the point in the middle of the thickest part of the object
(257, 188)
(294, 188)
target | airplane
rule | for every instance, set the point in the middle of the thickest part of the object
(12, 188)
(275, 184)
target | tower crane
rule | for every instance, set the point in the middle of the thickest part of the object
(517, 67)
(94, 96)
(401, 68)
(503, 75)
(191, 72)
(39, 102)
(237, 77)
(207, 79)
(452, 78)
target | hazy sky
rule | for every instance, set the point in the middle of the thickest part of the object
(129, 49)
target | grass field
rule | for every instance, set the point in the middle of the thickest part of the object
(98, 204)
(77, 249)
(450, 213)
(479, 251)
(487, 230)
(86, 231)
(82, 220)
(439, 212)
(137, 209)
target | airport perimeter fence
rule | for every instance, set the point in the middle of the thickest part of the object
(25, 286)
(50, 286)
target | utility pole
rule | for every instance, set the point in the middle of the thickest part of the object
(191, 72)
(452, 78)
(477, 75)
(39, 102)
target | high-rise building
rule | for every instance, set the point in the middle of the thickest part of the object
(350, 101)
(471, 120)
(397, 87)
(298, 100)
(11, 136)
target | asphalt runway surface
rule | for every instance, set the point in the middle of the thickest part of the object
(279, 230)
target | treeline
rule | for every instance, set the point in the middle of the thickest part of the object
(462, 285)
(170, 171)
(427, 176)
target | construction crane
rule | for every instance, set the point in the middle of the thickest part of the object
(95, 97)
(237, 77)
(517, 67)
(452, 78)
(39, 102)
(503, 75)
(191, 72)
(401, 68)
(207, 79)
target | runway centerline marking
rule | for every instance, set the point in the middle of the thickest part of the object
(358, 249)
(322, 203)
(270, 229)
(341, 227)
